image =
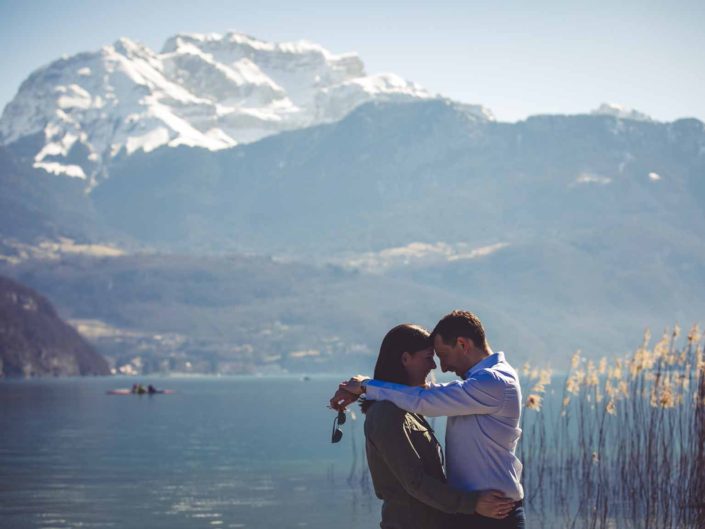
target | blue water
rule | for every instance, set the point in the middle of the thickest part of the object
(241, 452)
(235, 452)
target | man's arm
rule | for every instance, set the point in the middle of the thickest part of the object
(481, 394)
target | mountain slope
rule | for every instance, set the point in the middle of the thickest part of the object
(244, 313)
(35, 206)
(391, 174)
(34, 341)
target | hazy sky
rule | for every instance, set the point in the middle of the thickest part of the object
(516, 57)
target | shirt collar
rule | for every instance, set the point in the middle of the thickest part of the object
(492, 360)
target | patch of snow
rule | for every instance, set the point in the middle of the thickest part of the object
(50, 149)
(74, 171)
(148, 141)
(74, 96)
(390, 83)
(218, 135)
(60, 148)
(621, 112)
(590, 178)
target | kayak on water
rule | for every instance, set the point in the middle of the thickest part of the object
(139, 389)
(127, 391)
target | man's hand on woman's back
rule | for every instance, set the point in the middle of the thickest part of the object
(493, 504)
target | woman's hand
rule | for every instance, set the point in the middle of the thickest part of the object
(493, 504)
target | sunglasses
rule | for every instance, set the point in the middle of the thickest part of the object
(337, 434)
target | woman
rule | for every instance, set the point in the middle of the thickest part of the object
(405, 459)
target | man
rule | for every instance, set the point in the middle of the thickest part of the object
(483, 413)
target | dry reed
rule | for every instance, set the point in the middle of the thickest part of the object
(621, 444)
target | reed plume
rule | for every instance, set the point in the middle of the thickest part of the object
(619, 443)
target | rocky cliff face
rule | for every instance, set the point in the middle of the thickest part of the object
(34, 341)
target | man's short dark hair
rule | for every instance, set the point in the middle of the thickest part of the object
(460, 323)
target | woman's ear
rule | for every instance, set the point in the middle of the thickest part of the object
(405, 357)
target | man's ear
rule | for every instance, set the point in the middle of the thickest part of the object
(405, 357)
(465, 343)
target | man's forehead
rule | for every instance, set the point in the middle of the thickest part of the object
(440, 348)
(438, 342)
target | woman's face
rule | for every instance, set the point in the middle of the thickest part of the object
(418, 365)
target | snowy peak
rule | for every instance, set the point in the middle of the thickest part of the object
(204, 90)
(299, 72)
(303, 57)
(621, 112)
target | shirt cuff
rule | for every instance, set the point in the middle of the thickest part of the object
(372, 389)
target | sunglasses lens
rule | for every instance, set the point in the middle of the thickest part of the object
(337, 432)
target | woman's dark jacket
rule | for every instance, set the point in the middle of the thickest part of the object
(407, 470)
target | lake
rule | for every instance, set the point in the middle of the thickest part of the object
(245, 452)
(255, 452)
(231, 452)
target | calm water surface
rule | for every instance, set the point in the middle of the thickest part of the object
(221, 452)
(235, 452)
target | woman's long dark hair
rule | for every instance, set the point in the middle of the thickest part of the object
(402, 338)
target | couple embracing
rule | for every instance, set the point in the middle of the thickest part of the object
(482, 488)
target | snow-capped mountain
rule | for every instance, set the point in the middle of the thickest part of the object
(211, 91)
(621, 112)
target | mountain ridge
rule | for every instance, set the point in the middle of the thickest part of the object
(562, 232)
(356, 175)
(212, 91)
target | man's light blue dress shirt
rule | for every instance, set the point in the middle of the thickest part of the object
(483, 423)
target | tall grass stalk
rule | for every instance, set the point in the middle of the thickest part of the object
(621, 443)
